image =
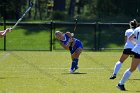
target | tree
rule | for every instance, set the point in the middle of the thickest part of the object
(59, 5)
(40, 9)
(71, 8)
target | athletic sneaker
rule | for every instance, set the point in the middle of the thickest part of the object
(113, 76)
(72, 71)
(121, 87)
(76, 67)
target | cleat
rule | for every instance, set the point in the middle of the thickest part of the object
(72, 71)
(121, 87)
(76, 68)
(113, 76)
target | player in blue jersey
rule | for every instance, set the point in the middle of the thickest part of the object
(75, 46)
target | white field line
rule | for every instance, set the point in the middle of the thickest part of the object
(100, 68)
(79, 68)
(4, 57)
(57, 69)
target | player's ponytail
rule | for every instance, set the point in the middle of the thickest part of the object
(133, 23)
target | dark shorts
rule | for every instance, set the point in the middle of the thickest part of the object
(136, 55)
(127, 51)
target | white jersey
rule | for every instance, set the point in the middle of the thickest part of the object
(128, 43)
(136, 32)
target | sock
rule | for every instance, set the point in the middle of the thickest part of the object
(117, 67)
(125, 77)
(77, 62)
(139, 67)
(74, 63)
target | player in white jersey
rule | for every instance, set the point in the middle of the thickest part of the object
(135, 59)
(127, 48)
(3, 33)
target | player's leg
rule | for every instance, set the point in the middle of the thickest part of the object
(75, 59)
(139, 67)
(127, 73)
(118, 65)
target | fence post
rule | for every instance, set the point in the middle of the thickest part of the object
(54, 47)
(97, 28)
(95, 36)
(4, 18)
(51, 37)
(99, 36)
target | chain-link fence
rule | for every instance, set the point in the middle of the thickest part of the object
(40, 36)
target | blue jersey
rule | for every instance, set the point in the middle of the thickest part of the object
(72, 48)
(66, 40)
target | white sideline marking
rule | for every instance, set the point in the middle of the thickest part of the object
(79, 68)
(4, 57)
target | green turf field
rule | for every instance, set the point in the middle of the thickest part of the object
(48, 72)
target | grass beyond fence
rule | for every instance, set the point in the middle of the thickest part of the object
(27, 38)
(95, 36)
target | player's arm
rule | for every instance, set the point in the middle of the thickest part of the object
(126, 36)
(131, 38)
(3, 33)
(71, 35)
(64, 46)
(125, 39)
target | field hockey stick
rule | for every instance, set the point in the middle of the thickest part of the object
(31, 4)
(75, 25)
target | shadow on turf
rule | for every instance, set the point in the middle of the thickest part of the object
(133, 91)
(134, 79)
(2, 78)
(75, 73)
(7, 77)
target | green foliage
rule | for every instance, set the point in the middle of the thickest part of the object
(58, 15)
(118, 8)
(103, 10)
